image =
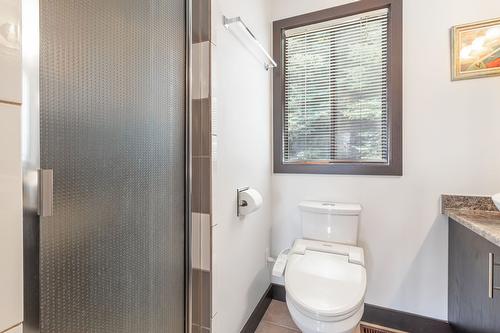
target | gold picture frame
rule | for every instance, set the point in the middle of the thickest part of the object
(475, 50)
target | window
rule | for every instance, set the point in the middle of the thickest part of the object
(337, 90)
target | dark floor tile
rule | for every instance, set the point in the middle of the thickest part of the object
(277, 313)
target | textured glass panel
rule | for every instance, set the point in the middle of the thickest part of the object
(112, 78)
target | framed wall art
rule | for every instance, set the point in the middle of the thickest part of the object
(476, 50)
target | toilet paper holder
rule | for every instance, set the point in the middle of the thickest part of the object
(239, 202)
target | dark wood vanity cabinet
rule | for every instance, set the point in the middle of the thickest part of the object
(470, 309)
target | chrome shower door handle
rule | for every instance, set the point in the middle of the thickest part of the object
(45, 192)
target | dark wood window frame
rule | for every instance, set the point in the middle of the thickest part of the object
(394, 167)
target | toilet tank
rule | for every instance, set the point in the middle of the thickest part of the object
(330, 222)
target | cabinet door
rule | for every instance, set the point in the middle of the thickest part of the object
(11, 260)
(10, 51)
(469, 307)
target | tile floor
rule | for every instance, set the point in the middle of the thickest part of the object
(277, 320)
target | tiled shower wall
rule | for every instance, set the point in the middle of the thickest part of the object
(201, 168)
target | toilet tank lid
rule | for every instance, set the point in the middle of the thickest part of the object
(331, 208)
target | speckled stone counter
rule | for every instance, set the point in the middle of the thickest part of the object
(476, 213)
(484, 223)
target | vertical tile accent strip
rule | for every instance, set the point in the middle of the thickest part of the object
(201, 165)
(201, 21)
(201, 184)
(201, 127)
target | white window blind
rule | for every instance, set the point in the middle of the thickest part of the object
(335, 98)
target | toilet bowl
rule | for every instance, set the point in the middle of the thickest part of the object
(325, 275)
(325, 286)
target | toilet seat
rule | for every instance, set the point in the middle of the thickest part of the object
(323, 283)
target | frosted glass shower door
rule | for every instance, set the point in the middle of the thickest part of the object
(112, 129)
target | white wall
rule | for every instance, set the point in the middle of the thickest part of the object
(243, 158)
(11, 238)
(449, 132)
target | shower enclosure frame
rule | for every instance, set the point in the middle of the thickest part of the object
(30, 135)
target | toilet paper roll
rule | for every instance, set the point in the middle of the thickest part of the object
(253, 201)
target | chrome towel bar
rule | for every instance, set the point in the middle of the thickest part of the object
(235, 20)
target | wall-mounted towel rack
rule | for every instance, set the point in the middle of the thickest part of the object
(235, 20)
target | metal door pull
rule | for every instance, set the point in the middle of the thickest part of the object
(491, 275)
(46, 192)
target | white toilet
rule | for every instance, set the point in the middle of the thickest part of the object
(325, 277)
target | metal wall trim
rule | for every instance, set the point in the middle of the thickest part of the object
(188, 171)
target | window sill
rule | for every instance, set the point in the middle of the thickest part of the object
(368, 169)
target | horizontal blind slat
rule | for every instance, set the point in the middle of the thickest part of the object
(336, 93)
(349, 26)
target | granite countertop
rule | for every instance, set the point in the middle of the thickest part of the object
(476, 213)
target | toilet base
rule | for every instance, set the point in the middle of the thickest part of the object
(309, 325)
